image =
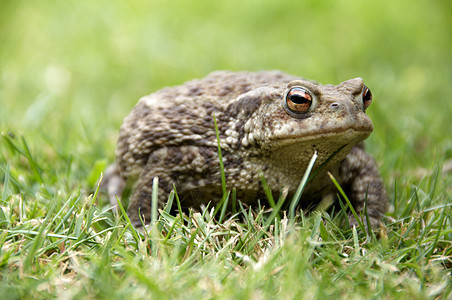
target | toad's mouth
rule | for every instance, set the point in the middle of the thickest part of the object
(331, 147)
(346, 128)
(327, 137)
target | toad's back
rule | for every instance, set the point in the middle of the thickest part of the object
(182, 115)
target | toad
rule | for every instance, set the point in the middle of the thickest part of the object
(270, 124)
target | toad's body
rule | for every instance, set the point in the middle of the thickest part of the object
(269, 122)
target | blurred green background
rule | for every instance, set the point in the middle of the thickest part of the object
(70, 71)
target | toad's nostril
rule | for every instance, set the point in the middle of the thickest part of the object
(335, 105)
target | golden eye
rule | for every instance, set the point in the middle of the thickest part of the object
(298, 100)
(367, 97)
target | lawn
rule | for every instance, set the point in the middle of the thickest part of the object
(70, 71)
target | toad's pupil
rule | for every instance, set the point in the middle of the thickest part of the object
(367, 95)
(299, 99)
(299, 96)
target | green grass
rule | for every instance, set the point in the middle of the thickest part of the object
(69, 74)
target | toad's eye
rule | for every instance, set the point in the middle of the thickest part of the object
(298, 100)
(367, 97)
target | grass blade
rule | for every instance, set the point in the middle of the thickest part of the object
(301, 186)
(220, 157)
(349, 204)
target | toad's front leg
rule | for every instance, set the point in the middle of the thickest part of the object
(362, 180)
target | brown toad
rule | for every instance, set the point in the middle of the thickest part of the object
(269, 122)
